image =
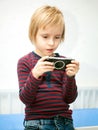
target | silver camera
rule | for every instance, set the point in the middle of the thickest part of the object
(59, 62)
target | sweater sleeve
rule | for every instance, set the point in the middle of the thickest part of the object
(28, 85)
(70, 88)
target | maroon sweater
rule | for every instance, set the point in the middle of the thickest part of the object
(45, 97)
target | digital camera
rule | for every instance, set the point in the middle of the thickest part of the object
(59, 62)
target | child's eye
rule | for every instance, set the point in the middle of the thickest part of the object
(45, 36)
(58, 37)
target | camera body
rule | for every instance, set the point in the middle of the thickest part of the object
(59, 62)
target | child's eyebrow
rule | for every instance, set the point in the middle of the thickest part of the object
(58, 35)
(44, 34)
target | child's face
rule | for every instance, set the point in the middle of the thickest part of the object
(47, 40)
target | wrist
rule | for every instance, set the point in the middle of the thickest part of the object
(35, 74)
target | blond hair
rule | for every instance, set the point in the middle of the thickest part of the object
(43, 16)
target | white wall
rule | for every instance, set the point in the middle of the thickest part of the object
(81, 17)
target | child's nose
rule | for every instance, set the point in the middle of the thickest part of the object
(51, 42)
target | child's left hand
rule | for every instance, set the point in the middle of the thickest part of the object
(72, 69)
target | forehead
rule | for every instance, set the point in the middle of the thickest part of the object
(54, 29)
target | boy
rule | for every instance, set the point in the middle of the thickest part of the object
(45, 91)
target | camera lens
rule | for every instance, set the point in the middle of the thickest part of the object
(59, 64)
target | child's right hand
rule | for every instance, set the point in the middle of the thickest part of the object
(41, 67)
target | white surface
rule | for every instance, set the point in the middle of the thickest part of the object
(81, 40)
(9, 100)
(88, 128)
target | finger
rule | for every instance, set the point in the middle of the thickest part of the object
(71, 69)
(47, 68)
(47, 63)
(70, 73)
(71, 66)
(75, 62)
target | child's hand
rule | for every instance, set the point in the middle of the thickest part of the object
(72, 69)
(41, 67)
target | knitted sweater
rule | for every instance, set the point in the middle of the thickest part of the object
(47, 96)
